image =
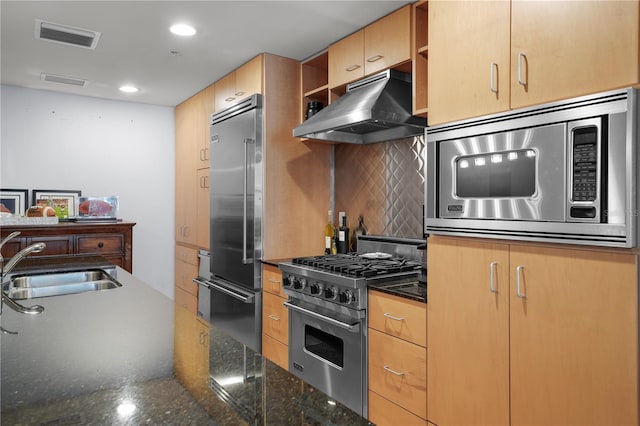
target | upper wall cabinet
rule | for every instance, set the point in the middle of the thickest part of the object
(486, 57)
(380, 45)
(420, 56)
(237, 85)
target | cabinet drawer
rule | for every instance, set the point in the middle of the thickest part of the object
(275, 351)
(184, 275)
(272, 280)
(398, 371)
(101, 244)
(275, 317)
(186, 300)
(398, 316)
(56, 246)
(383, 412)
(188, 255)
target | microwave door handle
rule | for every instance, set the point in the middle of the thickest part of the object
(349, 327)
(245, 259)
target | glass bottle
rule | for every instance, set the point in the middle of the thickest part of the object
(328, 234)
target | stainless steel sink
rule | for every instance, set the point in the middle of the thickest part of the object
(31, 286)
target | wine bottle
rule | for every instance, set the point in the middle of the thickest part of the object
(334, 241)
(343, 235)
(328, 234)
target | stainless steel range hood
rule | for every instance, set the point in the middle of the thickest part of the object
(374, 109)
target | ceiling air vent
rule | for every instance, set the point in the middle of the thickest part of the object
(66, 35)
(64, 80)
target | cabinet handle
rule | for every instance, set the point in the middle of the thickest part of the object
(519, 293)
(274, 318)
(392, 371)
(392, 317)
(206, 182)
(375, 58)
(229, 99)
(271, 280)
(206, 154)
(352, 68)
(240, 93)
(100, 244)
(202, 155)
(521, 59)
(492, 277)
(493, 83)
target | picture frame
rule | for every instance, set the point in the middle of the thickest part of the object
(14, 201)
(64, 202)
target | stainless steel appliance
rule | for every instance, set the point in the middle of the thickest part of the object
(561, 172)
(204, 286)
(328, 312)
(377, 108)
(236, 221)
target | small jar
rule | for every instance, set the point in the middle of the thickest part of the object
(312, 108)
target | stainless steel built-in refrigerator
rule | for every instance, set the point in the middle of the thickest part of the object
(236, 221)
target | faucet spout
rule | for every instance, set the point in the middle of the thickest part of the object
(33, 248)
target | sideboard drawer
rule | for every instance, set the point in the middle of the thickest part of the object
(101, 244)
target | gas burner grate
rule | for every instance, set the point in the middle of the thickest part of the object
(357, 266)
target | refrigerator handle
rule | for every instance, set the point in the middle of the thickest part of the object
(236, 293)
(245, 259)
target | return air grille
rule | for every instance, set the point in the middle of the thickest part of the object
(66, 35)
(64, 80)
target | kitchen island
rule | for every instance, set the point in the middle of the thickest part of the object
(107, 357)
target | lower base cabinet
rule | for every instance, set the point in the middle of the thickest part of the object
(275, 317)
(186, 269)
(526, 334)
(397, 370)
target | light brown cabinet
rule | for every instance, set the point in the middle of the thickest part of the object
(420, 56)
(239, 84)
(186, 269)
(275, 317)
(487, 57)
(191, 353)
(526, 334)
(397, 359)
(382, 44)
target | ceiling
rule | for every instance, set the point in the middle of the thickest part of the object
(136, 47)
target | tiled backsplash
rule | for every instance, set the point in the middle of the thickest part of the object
(384, 182)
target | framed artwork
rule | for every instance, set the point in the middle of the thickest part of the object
(13, 201)
(64, 202)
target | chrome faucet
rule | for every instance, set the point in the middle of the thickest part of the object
(5, 269)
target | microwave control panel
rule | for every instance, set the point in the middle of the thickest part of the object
(585, 164)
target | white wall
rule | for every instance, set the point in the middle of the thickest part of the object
(101, 147)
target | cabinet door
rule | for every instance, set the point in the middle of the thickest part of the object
(186, 115)
(574, 337)
(208, 100)
(346, 59)
(468, 332)
(225, 89)
(571, 48)
(248, 78)
(202, 209)
(468, 69)
(272, 280)
(387, 42)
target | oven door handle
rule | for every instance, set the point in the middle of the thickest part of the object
(350, 327)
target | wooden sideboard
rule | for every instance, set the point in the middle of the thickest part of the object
(113, 241)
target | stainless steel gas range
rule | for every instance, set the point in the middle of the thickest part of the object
(328, 312)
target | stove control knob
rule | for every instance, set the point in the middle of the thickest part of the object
(346, 296)
(330, 292)
(299, 283)
(287, 280)
(316, 288)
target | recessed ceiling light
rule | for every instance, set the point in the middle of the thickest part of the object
(182, 30)
(129, 89)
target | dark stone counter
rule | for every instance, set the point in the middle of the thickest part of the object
(110, 357)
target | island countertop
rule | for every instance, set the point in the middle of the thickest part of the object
(111, 357)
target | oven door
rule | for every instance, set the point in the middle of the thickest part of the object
(328, 351)
(513, 175)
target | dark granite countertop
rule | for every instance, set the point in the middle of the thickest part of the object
(111, 357)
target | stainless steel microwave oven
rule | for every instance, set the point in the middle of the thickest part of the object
(560, 172)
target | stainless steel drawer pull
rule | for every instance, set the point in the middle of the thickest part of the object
(492, 277)
(493, 84)
(375, 58)
(522, 58)
(271, 280)
(519, 292)
(229, 99)
(392, 317)
(352, 68)
(392, 371)
(273, 317)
